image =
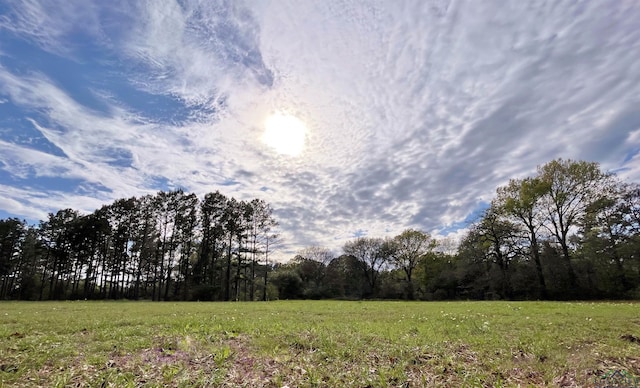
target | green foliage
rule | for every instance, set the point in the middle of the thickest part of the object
(288, 283)
(406, 251)
(372, 255)
(566, 233)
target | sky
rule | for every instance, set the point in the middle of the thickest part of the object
(388, 114)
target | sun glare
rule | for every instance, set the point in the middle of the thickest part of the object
(285, 134)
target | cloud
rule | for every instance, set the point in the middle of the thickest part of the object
(196, 52)
(49, 25)
(416, 110)
(36, 204)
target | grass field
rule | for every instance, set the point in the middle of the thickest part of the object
(316, 343)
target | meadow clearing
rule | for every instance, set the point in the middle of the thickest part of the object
(316, 343)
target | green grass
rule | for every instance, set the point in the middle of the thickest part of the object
(316, 343)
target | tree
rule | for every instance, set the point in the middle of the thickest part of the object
(244, 223)
(316, 253)
(12, 232)
(261, 225)
(57, 262)
(630, 208)
(164, 246)
(570, 187)
(31, 251)
(176, 218)
(145, 247)
(122, 216)
(344, 278)
(288, 284)
(609, 230)
(311, 264)
(312, 274)
(521, 201)
(495, 242)
(372, 254)
(186, 222)
(212, 223)
(407, 249)
(232, 228)
(271, 240)
(438, 275)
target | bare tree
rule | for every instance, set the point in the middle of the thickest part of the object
(316, 253)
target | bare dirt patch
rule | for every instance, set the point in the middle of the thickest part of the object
(630, 338)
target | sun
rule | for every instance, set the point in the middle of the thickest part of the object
(285, 134)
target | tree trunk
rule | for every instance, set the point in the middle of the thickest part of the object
(227, 289)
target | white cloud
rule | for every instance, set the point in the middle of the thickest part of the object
(416, 110)
(49, 24)
(35, 204)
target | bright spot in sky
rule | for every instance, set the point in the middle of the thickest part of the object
(285, 134)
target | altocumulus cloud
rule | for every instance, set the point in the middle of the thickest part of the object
(415, 110)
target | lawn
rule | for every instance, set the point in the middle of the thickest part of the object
(316, 343)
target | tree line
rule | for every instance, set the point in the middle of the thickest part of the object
(168, 246)
(571, 231)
